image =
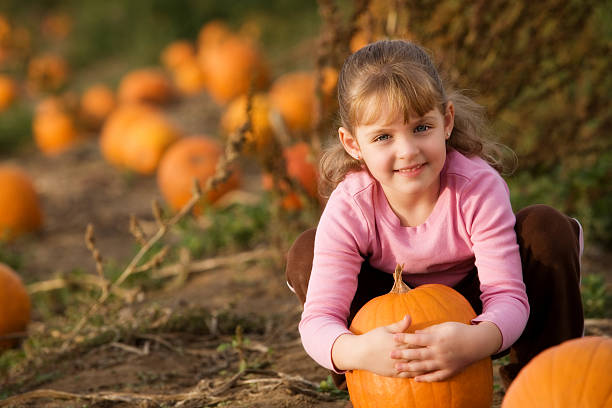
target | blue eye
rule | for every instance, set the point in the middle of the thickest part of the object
(421, 128)
(382, 137)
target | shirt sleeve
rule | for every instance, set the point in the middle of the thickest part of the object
(337, 261)
(490, 222)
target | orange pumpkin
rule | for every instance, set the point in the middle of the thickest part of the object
(230, 66)
(148, 85)
(57, 25)
(20, 210)
(300, 167)
(235, 116)
(47, 73)
(177, 53)
(14, 305)
(8, 91)
(191, 158)
(54, 131)
(134, 137)
(427, 305)
(212, 33)
(571, 374)
(189, 78)
(97, 102)
(293, 96)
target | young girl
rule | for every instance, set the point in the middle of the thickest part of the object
(416, 183)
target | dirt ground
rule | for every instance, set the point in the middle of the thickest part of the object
(163, 368)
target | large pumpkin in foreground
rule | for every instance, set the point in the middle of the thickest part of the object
(576, 373)
(427, 305)
(14, 305)
(191, 158)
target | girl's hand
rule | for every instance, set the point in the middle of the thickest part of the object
(443, 350)
(369, 351)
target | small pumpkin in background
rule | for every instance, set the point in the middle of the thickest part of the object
(54, 127)
(47, 73)
(190, 158)
(575, 373)
(15, 305)
(148, 85)
(20, 210)
(189, 78)
(235, 115)
(230, 66)
(293, 95)
(300, 167)
(212, 33)
(97, 102)
(135, 136)
(8, 91)
(427, 305)
(177, 53)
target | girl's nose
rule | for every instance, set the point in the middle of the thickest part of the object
(406, 148)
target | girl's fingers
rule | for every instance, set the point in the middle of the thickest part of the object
(414, 339)
(418, 366)
(409, 354)
(401, 325)
(439, 375)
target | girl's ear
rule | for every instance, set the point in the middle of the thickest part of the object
(449, 119)
(349, 142)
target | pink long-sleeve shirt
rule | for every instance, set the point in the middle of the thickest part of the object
(472, 224)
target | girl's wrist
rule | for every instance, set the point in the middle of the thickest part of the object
(346, 352)
(491, 338)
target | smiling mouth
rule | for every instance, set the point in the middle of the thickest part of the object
(410, 169)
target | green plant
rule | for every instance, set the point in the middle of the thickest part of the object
(327, 386)
(596, 296)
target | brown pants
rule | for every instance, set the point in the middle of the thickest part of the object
(549, 248)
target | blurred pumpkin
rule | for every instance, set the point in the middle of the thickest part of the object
(5, 30)
(177, 53)
(56, 25)
(194, 157)
(14, 305)
(47, 73)
(235, 116)
(54, 130)
(97, 102)
(300, 167)
(189, 78)
(20, 211)
(145, 85)
(293, 96)
(230, 67)
(427, 305)
(212, 33)
(8, 91)
(135, 136)
(571, 374)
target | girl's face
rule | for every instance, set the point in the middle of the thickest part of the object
(406, 158)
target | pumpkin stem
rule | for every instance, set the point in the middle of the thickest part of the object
(399, 286)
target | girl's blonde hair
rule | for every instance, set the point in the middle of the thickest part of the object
(400, 75)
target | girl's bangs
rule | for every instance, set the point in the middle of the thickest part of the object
(390, 96)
